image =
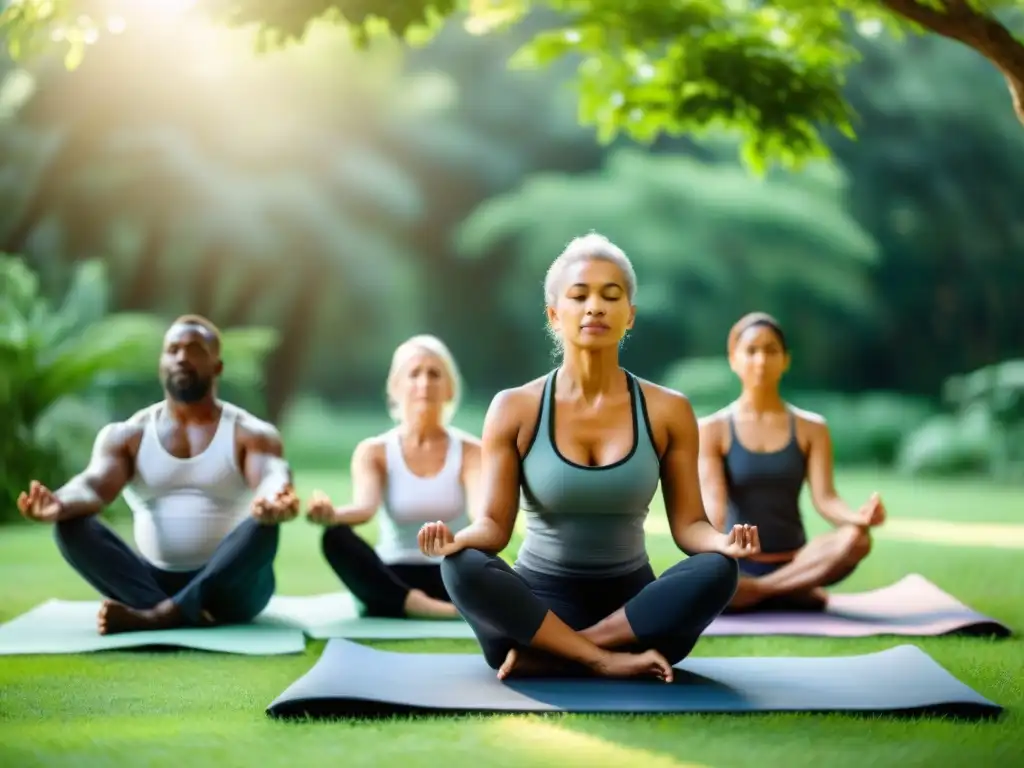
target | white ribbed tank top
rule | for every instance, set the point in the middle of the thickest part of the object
(183, 508)
(411, 500)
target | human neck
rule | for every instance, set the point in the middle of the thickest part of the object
(591, 373)
(201, 411)
(761, 400)
(419, 429)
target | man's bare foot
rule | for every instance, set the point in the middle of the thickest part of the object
(646, 664)
(115, 618)
(420, 605)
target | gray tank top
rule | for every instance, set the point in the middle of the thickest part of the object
(587, 521)
(764, 490)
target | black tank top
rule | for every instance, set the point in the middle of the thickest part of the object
(764, 490)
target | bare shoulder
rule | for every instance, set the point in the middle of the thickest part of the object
(371, 449)
(123, 436)
(714, 422)
(714, 427)
(258, 434)
(471, 444)
(469, 441)
(515, 405)
(666, 405)
(813, 422)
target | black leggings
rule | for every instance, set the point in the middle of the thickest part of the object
(381, 588)
(506, 606)
(234, 587)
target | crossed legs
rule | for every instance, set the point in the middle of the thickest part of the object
(800, 583)
(619, 626)
(394, 591)
(233, 587)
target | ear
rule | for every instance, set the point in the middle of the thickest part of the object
(552, 316)
(785, 362)
(732, 364)
(632, 317)
(219, 369)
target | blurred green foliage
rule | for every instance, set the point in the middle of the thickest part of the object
(349, 197)
(61, 366)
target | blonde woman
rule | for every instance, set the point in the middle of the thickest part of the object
(420, 471)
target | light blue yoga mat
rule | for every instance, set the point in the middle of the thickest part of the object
(337, 615)
(65, 626)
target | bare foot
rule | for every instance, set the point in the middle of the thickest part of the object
(748, 594)
(646, 664)
(817, 599)
(529, 663)
(419, 605)
(116, 617)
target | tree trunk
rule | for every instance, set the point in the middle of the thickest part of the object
(207, 281)
(141, 293)
(286, 363)
(240, 309)
(983, 33)
(72, 154)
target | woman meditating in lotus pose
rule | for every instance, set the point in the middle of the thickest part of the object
(420, 470)
(587, 445)
(755, 456)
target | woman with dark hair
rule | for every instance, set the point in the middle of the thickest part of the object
(755, 455)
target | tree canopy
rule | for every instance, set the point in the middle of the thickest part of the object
(771, 70)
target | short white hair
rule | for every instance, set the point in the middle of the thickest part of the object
(586, 248)
(432, 346)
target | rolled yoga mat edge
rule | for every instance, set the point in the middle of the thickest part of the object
(354, 681)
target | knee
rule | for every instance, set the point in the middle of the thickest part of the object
(721, 574)
(335, 538)
(464, 568)
(69, 534)
(856, 543)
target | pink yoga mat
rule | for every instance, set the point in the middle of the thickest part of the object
(911, 606)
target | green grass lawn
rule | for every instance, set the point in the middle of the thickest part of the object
(169, 708)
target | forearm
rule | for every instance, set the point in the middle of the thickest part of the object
(354, 514)
(836, 511)
(483, 534)
(698, 536)
(78, 498)
(276, 477)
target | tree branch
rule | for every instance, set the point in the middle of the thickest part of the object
(985, 34)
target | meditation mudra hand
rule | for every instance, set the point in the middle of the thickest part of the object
(39, 504)
(742, 541)
(872, 513)
(437, 540)
(279, 508)
(320, 509)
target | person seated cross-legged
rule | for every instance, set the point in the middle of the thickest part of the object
(755, 456)
(207, 485)
(587, 445)
(421, 470)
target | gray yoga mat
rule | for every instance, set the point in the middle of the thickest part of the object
(913, 606)
(63, 626)
(351, 680)
(336, 614)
